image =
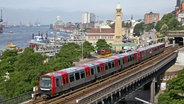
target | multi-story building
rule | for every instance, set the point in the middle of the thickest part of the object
(179, 3)
(92, 18)
(151, 17)
(88, 17)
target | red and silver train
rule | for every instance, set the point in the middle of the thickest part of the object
(60, 81)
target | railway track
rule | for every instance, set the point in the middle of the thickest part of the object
(70, 97)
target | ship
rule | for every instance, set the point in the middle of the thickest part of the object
(1, 23)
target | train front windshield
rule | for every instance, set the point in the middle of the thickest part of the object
(45, 83)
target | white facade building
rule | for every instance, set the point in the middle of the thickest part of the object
(88, 17)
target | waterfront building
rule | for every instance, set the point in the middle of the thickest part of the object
(59, 24)
(113, 36)
(151, 17)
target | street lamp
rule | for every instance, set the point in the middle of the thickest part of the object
(54, 41)
(83, 35)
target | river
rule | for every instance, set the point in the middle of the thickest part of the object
(20, 36)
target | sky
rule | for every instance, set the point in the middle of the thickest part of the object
(45, 11)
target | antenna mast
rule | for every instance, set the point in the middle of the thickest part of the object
(1, 19)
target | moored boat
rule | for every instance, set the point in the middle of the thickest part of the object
(11, 45)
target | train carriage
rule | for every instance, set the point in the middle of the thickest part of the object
(48, 83)
(89, 72)
(101, 67)
(128, 59)
(57, 82)
(141, 54)
(118, 62)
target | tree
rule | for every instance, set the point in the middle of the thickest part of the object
(164, 29)
(174, 24)
(171, 21)
(68, 53)
(7, 60)
(28, 60)
(138, 29)
(149, 26)
(175, 87)
(87, 48)
(27, 68)
(101, 44)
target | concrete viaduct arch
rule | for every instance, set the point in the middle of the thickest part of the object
(177, 36)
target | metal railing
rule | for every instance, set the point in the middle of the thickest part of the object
(18, 99)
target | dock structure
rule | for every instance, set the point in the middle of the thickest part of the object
(51, 45)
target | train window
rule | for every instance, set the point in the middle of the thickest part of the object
(130, 57)
(98, 69)
(92, 71)
(71, 78)
(109, 65)
(119, 61)
(77, 77)
(82, 74)
(106, 67)
(112, 64)
(57, 82)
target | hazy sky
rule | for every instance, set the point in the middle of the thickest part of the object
(45, 11)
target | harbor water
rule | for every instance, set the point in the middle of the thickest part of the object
(20, 36)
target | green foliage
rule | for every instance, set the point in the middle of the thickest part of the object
(7, 59)
(25, 69)
(138, 29)
(68, 53)
(87, 49)
(101, 44)
(171, 21)
(149, 26)
(28, 60)
(164, 29)
(175, 87)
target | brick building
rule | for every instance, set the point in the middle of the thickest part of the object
(151, 17)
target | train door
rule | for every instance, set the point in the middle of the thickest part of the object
(58, 84)
(138, 56)
(125, 61)
(87, 71)
(102, 68)
(65, 81)
(117, 64)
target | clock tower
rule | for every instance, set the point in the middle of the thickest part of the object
(117, 45)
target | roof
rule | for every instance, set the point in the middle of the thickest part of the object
(118, 6)
(101, 30)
